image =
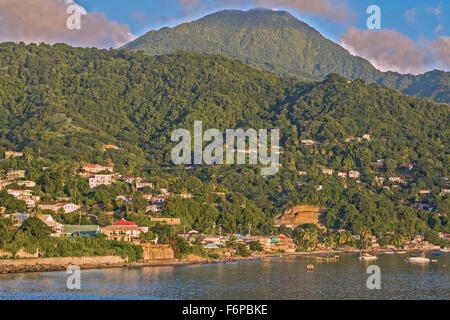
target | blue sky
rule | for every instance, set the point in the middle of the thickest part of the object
(142, 15)
(414, 36)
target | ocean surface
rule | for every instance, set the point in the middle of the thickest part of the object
(283, 278)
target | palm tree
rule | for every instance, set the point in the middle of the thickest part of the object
(308, 238)
(398, 240)
(34, 212)
(330, 240)
(365, 235)
(28, 157)
(344, 238)
(231, 242)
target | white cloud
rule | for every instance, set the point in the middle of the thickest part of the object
(389, 50)
(45, 21)
(435, 10)
(438, 28)
(410, 15)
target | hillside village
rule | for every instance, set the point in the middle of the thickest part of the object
(53, 210)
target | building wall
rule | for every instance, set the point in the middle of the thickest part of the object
(157, 252)
(78, 261)
(20, 254)
(169, 221)
(300, 215)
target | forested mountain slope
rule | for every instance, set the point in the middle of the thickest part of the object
(65, 103)
(278, 42)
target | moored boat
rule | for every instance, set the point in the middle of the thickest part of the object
(366, 256)
(326, 259)
(418, 259)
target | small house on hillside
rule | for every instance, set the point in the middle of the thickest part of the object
(124, 230)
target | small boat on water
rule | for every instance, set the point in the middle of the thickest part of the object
(389, 252)
(267, 259)
(437, 254)
(418, 259)
(444, 250)
(366, 256)
(326, 259)
(309, 267)
(401, 252)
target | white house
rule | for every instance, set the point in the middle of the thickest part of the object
(66, 207)
(354, 174)
(142, 185)
(96, 168)
(100, 179)
(20, 193)
(308, 142)
(186, 195)
(28, 184)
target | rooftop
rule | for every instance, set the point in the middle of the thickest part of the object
(124, 222)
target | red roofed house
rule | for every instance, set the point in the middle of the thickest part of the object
(283, 237)
(284, 243)
(124, 230)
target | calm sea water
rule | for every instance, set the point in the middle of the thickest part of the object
(284, 278)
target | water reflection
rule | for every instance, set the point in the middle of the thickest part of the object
(284, 278)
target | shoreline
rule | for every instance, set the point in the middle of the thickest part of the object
(37, 268)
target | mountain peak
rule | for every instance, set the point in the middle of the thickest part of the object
(278, 42)
(260, 15)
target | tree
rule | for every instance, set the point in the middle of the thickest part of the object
(36, 227)
(330, 240)
(256, 246)
(307, 238)
(344, 238)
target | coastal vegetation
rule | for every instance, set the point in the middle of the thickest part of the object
(34, 235)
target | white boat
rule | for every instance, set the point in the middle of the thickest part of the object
(445, 250)
(366, 256)
(418, 259)
(389, 252)
(401, 252)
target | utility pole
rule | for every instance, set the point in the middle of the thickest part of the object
(79, 220)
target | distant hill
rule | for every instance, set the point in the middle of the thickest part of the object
(73, 101)
(278, 42)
